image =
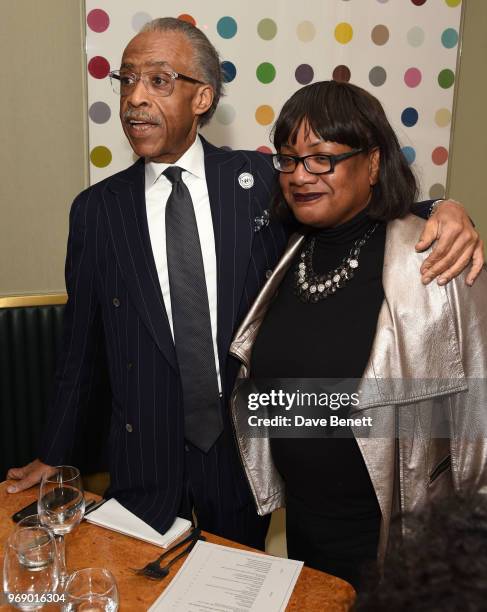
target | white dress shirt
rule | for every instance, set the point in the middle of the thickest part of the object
(157, 191)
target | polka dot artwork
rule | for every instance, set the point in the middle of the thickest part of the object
(98, 67)
(446, 78)
(264, 115)
(188, 18)
(267, 29)
(437, 191)
(412, 77)
(443, 117)
(226, 27)
(304, 74)
(380, 34)
(99, 112)
(409, 116)
(439, 155)
(404, 53)
(100, 156)
(410, 154)
(139, 20)
(225, 114)
(415, 36)
(343, 33)
(341, 73)
(449, 38)
(229, 71)
(306, 31)
(377, 76)
(97, 20)
(266, 72)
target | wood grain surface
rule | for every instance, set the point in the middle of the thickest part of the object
(92, 546)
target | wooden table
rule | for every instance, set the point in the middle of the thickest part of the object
(92, 546)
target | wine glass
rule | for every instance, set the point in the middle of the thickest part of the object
(33, 520)
(30, 569)
(61, 507)
(91, 590)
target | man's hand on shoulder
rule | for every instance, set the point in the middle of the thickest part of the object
(28, 475)
(457, 245)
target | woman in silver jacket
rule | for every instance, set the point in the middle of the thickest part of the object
(345, 302)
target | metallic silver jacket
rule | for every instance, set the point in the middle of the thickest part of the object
(426, 372)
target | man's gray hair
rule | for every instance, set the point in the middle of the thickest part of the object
(207, 61)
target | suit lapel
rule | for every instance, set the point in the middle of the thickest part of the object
(129, 229)
(233, 209)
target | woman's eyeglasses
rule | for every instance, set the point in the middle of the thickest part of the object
(314, 164)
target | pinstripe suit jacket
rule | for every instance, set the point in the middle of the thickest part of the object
(115, 300)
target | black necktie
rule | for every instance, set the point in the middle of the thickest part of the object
(191, 318)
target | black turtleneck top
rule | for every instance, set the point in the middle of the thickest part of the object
(332, 338)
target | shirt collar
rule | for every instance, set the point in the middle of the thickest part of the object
(192, 160)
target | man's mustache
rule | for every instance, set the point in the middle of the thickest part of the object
(131, 115)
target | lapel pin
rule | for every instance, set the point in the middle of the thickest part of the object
(262, 221)
(246, 180)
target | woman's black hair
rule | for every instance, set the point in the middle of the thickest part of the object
(347, 114)
(436, 560)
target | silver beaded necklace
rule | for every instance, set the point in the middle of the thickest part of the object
(312, 287)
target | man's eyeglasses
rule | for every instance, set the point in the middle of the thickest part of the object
(158, 83)
(314, 164)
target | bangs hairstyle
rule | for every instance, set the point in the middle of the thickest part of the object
(349, 115)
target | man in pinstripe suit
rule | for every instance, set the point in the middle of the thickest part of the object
(119, 292)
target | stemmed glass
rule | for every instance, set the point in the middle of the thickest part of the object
(30, 570)
(61, 507)
(93, 589)
(33, 520)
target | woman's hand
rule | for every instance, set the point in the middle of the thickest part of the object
(458, 244)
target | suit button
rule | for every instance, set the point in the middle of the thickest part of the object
(116, 302)
(129, 365)
(186, 448)
(129, 428)
(268, 273)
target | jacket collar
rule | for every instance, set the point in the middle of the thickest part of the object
(243, 341)
(405, 349)
(415, 354)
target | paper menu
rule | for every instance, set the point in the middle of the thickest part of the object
(223, 579)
